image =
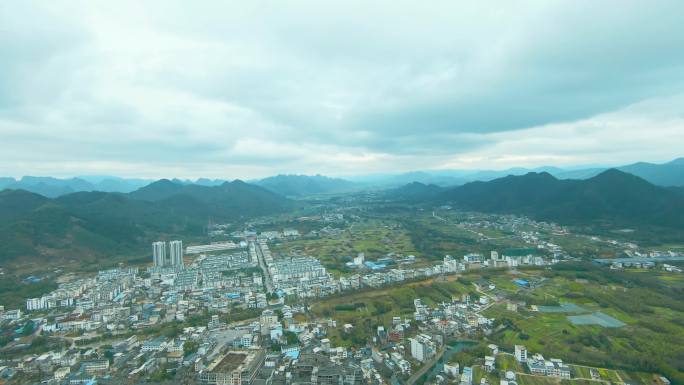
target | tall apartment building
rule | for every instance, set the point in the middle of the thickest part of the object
(174, 257)
(422, 347)
(520, 353)
(159, 254)
(176, 253)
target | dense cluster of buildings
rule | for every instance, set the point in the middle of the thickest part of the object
(277, 345)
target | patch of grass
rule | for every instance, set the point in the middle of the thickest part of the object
(528, 379)
(506, 362)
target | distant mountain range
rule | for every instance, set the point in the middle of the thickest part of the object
(90, 225)
(225, 201)
(302, 185)
(415, 192)
(612, 196)
(54, 187)
(666, 174)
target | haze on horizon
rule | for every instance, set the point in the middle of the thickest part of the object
(162, 89)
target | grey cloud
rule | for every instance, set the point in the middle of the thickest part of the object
(161, 83)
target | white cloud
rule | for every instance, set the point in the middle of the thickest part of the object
(652, 130)
(247, 90)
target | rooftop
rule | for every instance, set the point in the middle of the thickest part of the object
(229, 362)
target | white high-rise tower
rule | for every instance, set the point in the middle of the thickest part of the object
(176, 253)
(159, 253)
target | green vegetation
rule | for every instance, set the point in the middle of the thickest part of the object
(652, 340)
(374, 237)
(613, 197)
(14, 291)
(92, 227)
(190, 347)
(368, 309)
(303, 185)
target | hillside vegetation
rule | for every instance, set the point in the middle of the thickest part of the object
(89, 226)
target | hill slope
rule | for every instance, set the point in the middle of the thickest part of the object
(612, 196)
(54, 187)
(666, 174)
(302, 185)
(227, 200)
(86, 226)
(414, 192)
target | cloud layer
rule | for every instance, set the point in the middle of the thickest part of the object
(246, 90)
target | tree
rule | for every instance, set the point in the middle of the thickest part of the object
(291, 337)
(190, 347)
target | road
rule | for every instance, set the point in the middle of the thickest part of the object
(492, 300)
(262, 264)
(425, 368)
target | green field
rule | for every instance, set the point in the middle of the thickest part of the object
(373, 237)
(649, 303)
(651, 340)
(507, 362)
(528, 379)
(368, 309)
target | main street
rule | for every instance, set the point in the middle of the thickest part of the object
(262, 264)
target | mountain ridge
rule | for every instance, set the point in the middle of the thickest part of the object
(302, 185)
(86, 226)
(613, 195)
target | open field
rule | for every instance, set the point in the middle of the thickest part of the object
(368, 309)
(650, 304)
(651, 340)
(507, 362)
(528, 379)
(373, 237)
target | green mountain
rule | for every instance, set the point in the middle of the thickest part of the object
(89, 226)
(666, 174)
(15, 203)
(414, 192)
(303, 185)
(229, 200)
(613, 197)
(54, 187)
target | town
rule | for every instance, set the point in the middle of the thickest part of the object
(233, 312)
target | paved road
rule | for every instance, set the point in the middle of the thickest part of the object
(425, 368)
(262, 264)
(492, 300)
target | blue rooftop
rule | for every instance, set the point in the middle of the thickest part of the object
(374, 266)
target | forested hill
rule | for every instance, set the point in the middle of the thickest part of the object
(612, 196)
(86, 226)
(302, 185)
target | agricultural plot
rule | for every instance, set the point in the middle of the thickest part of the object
(507, 362)
(629, 317)
(375, 238)
(529, 379)
(597, 318)
(368, 309)
(565, 307)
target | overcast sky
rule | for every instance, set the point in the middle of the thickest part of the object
(251, 89)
